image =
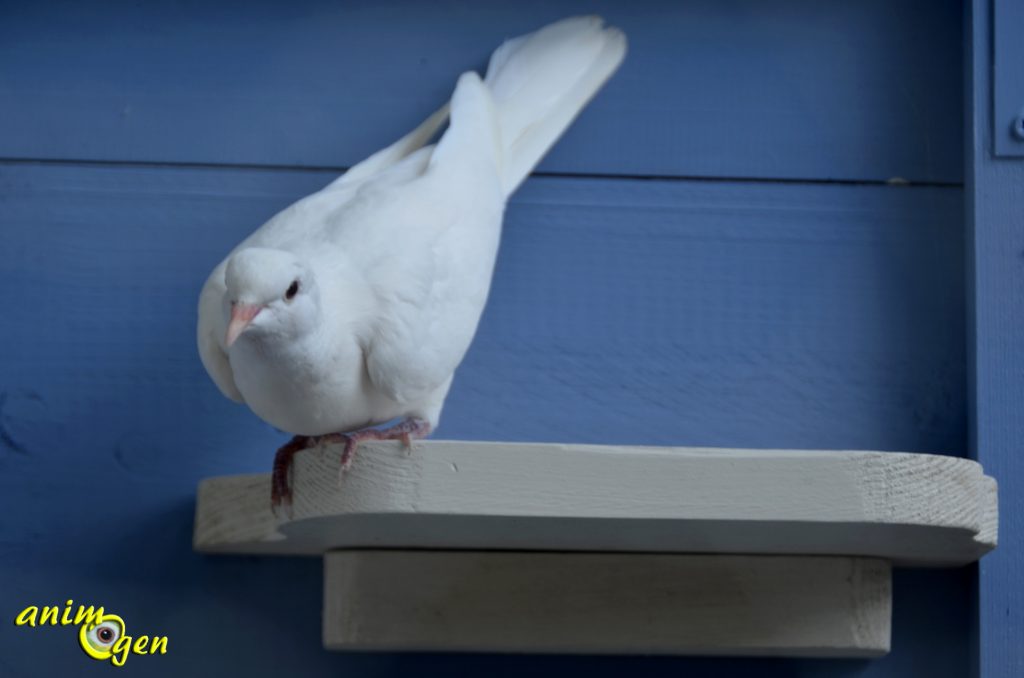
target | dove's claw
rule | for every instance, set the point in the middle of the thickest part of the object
(411, 429)
(351, 443)
(280, 478)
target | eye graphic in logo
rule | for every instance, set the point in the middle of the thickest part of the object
(98, 639)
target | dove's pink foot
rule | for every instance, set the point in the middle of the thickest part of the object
(405, 431)
(280, 479)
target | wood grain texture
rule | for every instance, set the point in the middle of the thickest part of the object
(606, 603)
(867, 90)
(995, 218)
(911, 508)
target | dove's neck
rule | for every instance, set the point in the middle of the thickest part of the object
(340, 305)
(305, 384)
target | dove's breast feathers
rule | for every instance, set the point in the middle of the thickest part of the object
(402, 247)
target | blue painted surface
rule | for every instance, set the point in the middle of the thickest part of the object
(645, 312)
(763, 314)
(1007, 110)
(995, 220)
(787, 89)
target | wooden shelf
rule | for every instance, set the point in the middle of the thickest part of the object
(913, 509)
(478, 546)
(607, 603)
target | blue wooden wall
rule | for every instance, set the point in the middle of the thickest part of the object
(754, 237)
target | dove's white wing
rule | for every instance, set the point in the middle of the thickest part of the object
(431, 287)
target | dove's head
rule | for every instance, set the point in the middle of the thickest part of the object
(269, 293)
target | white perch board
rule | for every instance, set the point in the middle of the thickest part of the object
(606, 603)
(913, 509)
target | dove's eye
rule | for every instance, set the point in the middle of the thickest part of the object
(292, 290)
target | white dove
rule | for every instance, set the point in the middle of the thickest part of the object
(355, 305)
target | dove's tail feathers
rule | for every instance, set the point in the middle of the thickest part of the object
(541, 81)
(472, 141)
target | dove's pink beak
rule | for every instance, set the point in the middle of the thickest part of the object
(241, 316)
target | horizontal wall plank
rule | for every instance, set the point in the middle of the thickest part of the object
(792, 89)
(693, 313)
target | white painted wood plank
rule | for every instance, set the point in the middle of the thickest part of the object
(606, 603)
(911, 508)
